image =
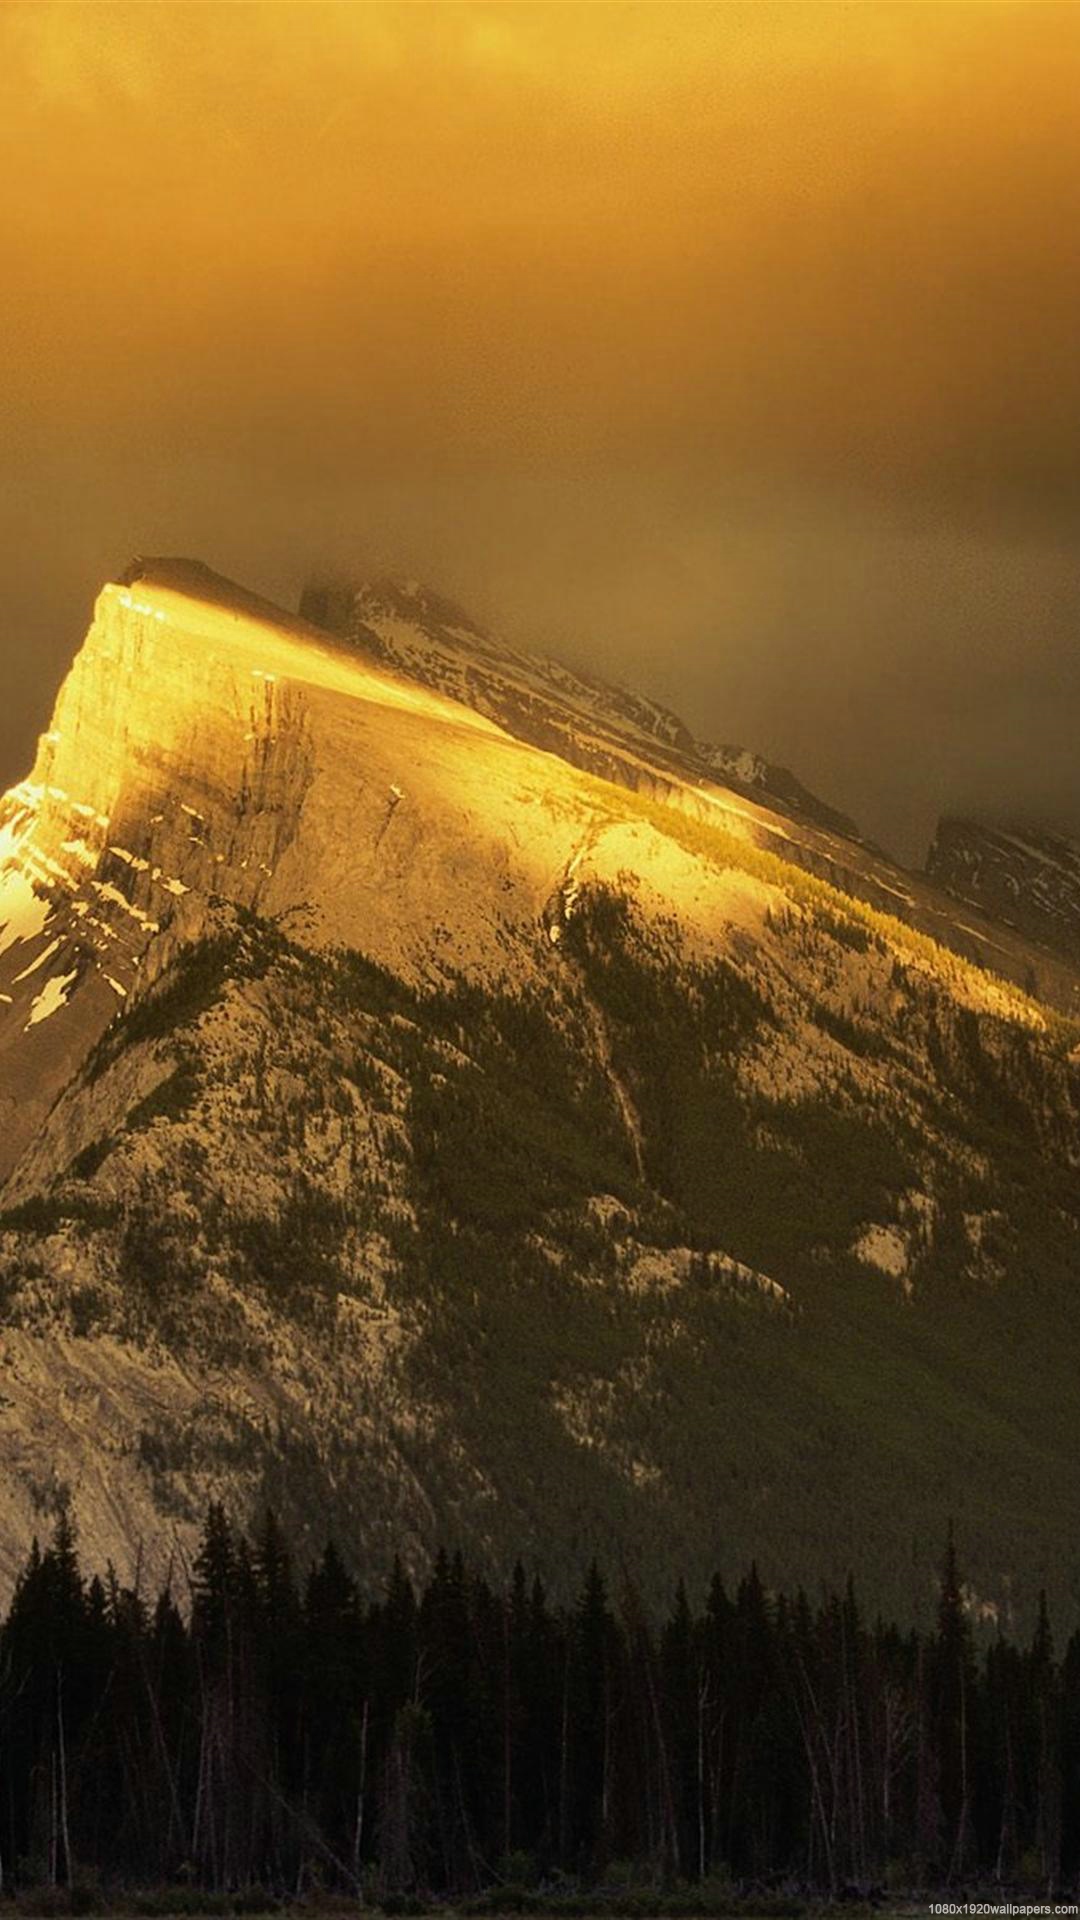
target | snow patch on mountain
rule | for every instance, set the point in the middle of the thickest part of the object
(52, 997)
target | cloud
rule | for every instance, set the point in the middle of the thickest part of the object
(733, 346)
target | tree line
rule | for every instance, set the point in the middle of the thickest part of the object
(247, 1728)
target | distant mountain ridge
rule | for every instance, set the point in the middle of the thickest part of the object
(1026, 876)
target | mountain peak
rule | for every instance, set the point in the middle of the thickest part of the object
(185, 579)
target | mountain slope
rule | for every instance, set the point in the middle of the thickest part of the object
(610, 730)
(631, 741)
(484, 1149)
(1024, 876)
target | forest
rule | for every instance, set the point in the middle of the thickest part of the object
(251, 1733)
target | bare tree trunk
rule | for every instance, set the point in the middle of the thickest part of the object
(958, 1863)
(702, 1702)
(358, 1835)
(508, 1744)
(52, 1818)
(812, 1728)
(824, 1824)
(1049, 1804)
(605, 1790)
(856, 1799)
(65, 1832)
(1007, 1841)
(669, 1826)
(717, 1827)
(564, 1766)
(176, 1816)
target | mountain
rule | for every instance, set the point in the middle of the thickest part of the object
(436, 1106)
(738, 767)
(408, 631)
(1024, 876)
(607, 729)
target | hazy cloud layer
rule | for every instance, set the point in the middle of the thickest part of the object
(732, 350)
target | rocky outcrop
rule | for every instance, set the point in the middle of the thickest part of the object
(173, 771)
(776, 785)
(1025, 877)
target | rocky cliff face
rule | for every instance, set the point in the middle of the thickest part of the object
(1023, 876)
(208, 748)
(632, 742)
(436, 1138)
(609, 730)
(173, 771)
(778, 786)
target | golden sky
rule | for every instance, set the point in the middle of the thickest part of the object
(732, 347)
